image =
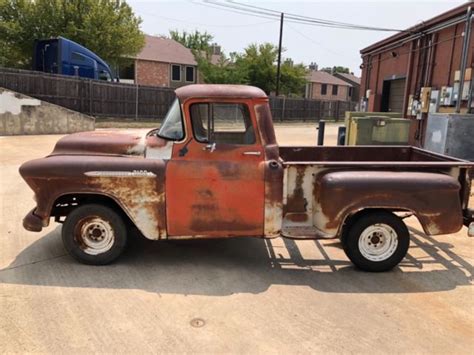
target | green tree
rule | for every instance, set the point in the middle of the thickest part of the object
(255, 66)
(199, 43)
(107, 27)
(293, 79)
(225, 71)
(258, 62)
(336, 69)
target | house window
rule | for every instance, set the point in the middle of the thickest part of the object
(334, 89)
(350, 91)
(176, 72)
(324, 89)
(190, 74)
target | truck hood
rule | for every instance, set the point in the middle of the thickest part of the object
(131, 143)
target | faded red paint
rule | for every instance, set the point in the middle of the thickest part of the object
(219, 193)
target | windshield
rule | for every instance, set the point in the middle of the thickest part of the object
(172, 127)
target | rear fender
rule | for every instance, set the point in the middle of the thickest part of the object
(433, 197)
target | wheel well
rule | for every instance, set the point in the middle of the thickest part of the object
(65, 204)
(351, 218)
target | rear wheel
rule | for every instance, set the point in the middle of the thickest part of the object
(376, 241)
(94, 234)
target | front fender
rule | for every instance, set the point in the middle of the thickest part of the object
(135, 184)
(432, 197)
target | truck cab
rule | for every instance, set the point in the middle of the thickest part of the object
(214, 170)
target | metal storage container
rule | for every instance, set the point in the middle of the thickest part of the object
(350, 115)
(451, 134)
(377, 130)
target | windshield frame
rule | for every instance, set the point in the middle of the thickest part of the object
(183, 129)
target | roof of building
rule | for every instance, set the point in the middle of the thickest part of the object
(350, 77)
(219, 90)
(162, 49)
(318, 76)
(453, 13)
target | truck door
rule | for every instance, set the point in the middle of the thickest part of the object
(215, 179)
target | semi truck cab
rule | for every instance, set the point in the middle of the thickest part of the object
(63, 56)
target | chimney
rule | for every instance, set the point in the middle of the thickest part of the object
(313, 66)
(215, 49)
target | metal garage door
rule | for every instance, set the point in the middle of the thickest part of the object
(395, 101)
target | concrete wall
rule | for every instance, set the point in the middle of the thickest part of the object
(21, 114)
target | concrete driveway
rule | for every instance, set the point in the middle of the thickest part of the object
(240, 295)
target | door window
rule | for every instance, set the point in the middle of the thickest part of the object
(224, 123)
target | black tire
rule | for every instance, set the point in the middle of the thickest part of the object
(364, 254)
(94, 234)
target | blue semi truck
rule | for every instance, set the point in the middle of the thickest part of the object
(63, 56)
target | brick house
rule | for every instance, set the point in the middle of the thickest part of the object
(162, 62)
(354, 91)
(324, 86)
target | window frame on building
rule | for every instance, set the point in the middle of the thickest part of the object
(324, 89)
(335, 89)
(186, 74)
(172, 69)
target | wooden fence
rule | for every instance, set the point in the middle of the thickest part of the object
(110, 99)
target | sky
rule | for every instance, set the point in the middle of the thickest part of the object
(302, 43)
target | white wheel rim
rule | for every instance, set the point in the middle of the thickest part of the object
(378, 242)
(96, 236)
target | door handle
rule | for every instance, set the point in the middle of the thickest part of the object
(252, 153)
(210, 147)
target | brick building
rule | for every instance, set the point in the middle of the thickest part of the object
(399, 71)
(324, 86)
(162, 62)
(354, 90)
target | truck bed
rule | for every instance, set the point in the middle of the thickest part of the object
(319, 182)
(374, 156)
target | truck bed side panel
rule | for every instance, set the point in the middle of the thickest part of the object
(433, 197)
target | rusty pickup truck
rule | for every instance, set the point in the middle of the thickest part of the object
(214, 170)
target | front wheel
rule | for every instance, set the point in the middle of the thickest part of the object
(376, 241)
(94, 234)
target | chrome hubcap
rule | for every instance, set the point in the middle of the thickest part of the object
(96, 235)
(378, 242)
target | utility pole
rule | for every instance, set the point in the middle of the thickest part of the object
(277, 91)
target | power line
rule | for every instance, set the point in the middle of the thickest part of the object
(205, 24)
(313, 19)
(204, 3)
(251, 10)
(315, 42)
